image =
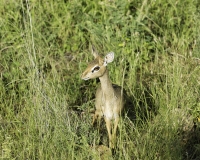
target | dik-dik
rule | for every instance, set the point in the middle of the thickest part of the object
(109, 100)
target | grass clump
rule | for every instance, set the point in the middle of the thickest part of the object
(45, 109)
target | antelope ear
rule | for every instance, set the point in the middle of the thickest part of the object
(108, 58)
(94, 52)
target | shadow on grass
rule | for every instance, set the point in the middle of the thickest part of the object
(191, 142)
(141, 105)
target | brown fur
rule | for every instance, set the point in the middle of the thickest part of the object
(109, 100)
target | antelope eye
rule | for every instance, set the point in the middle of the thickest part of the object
(96, 69)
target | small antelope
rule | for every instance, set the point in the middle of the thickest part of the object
(109, 98)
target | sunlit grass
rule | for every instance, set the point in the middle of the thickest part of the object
(45, 109)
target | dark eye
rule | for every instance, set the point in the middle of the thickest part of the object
(95, 69)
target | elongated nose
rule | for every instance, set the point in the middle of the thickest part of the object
(84, 76)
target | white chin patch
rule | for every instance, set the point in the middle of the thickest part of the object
(86, 78)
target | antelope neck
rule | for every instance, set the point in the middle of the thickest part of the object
(106, 84)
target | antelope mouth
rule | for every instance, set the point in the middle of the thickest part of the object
(85, 78)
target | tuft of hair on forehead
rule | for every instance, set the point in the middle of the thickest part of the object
(94, 52)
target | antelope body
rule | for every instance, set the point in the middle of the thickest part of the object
(109, 100)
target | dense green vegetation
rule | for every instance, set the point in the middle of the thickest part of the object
(45, 108)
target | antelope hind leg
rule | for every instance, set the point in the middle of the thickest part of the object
(115, 130)
(108, 126)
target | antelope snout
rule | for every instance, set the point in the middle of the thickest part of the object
(84, 77)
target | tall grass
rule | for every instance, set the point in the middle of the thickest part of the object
(45, 109)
